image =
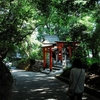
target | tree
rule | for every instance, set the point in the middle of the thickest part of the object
(60, 17)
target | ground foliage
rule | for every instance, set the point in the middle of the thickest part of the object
(31, 65)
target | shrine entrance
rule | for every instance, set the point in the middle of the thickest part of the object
(60, 51)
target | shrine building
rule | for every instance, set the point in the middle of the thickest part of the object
(57, 49)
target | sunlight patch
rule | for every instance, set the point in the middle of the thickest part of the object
(15, 91)
(43, 92)
(51, 99)
(40, 75)
(23, 75)
(51, 77)
(38, 89)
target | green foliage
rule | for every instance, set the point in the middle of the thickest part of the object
(77, 32)
(71, 20)
(35, 55)
(14, 19)
(91, 61)
(23, 61)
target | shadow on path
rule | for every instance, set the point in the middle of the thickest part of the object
(39, 86)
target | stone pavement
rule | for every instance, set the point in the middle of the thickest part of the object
(39, 86)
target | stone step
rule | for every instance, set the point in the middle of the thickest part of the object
(47, 71)
(56, 68)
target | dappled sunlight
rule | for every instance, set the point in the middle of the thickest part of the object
(41, 94)
(24, 75)
(34, 90)
(41, 75)
(51, 99)
(15, 91)
(39, 86)
(44, 91)
(13, 70)
(84, 98)
(93, 76)
(52, 77)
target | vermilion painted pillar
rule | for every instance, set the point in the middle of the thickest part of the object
(70, 51)
(44, 58)
(50, 58)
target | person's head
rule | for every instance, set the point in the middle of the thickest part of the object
(77, 63)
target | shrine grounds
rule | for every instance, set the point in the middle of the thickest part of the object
(40, 86)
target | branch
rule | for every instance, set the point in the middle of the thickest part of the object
(20, 38)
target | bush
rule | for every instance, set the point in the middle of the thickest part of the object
(91, 61)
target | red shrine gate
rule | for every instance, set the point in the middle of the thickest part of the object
(60, 45)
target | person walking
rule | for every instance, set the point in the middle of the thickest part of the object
(77, 78)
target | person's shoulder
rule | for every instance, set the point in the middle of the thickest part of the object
(73, 69)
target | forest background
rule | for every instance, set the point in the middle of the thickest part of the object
(24, 23)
